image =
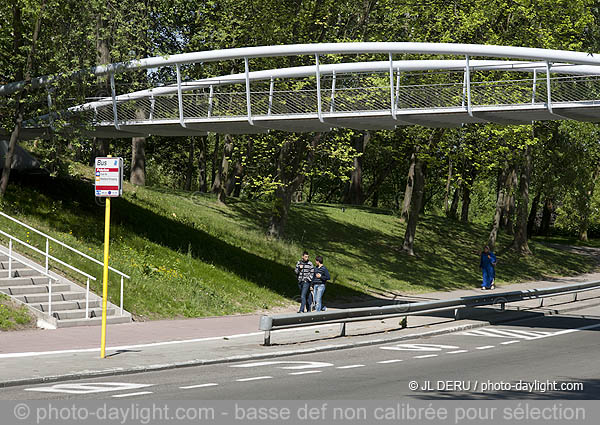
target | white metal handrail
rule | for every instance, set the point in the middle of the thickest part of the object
(34, 267)
(48, 257)
(50, 238)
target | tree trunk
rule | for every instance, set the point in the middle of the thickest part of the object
(189, 175)
(415, 206)
(355, 195)
(408, 192)
(504, 181)
(138, 156)
(291, 178)
(101, 146)
(375, 200)
(546, 217)
(585, 219)
(509, 203)
(466, 202)
(531, 230)
(221, 176)
(454, 205)
(214, 171)
(202, 184)
(519, 243)
(447, 192)
(417, 195)
(20, 108)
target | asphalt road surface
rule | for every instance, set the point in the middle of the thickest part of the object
(553, 357)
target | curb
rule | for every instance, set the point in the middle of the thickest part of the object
(522, 315)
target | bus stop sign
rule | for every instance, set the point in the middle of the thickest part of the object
(109, 177)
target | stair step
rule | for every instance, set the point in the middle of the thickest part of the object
(15, 264)
(19, 281)
(96, 321)
(80, 314)
(20, 272)
(34, 289)
(62, 296)
(65, 305)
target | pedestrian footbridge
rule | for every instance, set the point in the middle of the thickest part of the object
(364, 86)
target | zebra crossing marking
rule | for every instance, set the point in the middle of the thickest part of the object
(508, 333)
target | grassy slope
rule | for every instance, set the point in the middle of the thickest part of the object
(189, 256)
(13, 317)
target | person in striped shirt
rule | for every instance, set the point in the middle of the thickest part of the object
(304, 273)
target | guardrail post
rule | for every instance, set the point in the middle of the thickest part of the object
(343, 329)
(575, 297)
(392, 94)
(271, 89)
(114, 100)
(541, 302)
(502, 306)
(248, 97)
(211, 93)
(47, 253)
(87, 299)
(468, 79)
(332, 106)
(267, 338)
(121, 295)
(318, 77)
(10, 259)
(548, 89)
(50, 296)
(179, 97)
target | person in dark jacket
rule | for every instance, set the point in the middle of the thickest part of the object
(304, 273)
(487, 264)
(319, 281)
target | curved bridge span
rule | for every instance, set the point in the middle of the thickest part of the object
(446, 86)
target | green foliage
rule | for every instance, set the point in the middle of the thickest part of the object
(12, 316)
(190, 256)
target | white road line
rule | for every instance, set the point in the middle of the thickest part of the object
(425, 356)
(352, 366)
(390, 361)
(132, 394)
(305, 372)
(153, 344)
(514, 341)
(457, 351)
(485, 347)
(256, 378)
(189, 387)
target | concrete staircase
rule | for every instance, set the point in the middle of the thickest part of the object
(29, 287)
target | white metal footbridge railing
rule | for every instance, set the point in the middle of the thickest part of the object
(510, 85)
(48, 258)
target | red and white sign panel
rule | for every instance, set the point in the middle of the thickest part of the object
(109, 177)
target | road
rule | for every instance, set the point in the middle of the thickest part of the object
(552, 357)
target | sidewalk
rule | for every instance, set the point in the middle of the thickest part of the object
(33, 356)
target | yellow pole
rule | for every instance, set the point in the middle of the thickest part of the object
(105, 277)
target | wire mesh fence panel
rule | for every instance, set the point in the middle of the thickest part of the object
(358, 99)
(430, 97)
(232, 104)
(576, 89)
(510, 92)
(195, 105)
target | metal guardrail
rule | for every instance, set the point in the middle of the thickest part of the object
(32, 266)
(49, 257)
(295, 320)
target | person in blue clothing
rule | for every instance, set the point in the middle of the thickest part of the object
(487, 264)
(320, 279)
